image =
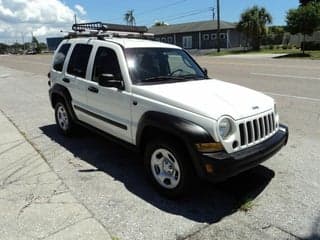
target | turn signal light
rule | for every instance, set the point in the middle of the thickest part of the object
(209, 147)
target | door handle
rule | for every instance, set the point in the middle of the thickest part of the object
(93, 89)
(66, 80)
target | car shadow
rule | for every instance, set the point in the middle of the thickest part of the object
(207, 203)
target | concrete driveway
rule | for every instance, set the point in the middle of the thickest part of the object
(108, 180)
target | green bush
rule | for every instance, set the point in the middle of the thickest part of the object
(309, 46)
(271, 47)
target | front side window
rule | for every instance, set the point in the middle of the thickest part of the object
(106, 62)
(161, 65)
(60, 57)
(79, 60)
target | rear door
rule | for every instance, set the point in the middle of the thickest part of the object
(75, 77)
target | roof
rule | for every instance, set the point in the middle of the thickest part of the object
(127, 42)
(191, 27)
(140, 43)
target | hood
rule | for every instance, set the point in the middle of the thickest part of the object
(210, 98)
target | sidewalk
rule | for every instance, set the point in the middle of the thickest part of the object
(34, 202)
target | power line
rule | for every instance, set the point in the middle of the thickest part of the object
(152, 10)
(184, 14)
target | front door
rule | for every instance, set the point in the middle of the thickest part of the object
(109, 107)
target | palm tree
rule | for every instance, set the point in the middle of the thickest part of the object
(253, 23)
(129, 18)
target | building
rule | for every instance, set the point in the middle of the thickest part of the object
(199, 35)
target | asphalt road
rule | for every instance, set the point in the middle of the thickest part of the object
(109, 180)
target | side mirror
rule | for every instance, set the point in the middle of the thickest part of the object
(205, 71)
(108, 80)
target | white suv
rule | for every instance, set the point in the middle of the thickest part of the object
(156, 99)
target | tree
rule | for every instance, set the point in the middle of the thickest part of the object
(160, 23)
(253, 23)
(304, 20)
(305, 2)
(35, 45)
(129, 18)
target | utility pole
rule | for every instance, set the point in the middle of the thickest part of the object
(75, 19)
(213, 13)
(218, 30)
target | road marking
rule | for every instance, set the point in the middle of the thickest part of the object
(293, 96)
(284, 76)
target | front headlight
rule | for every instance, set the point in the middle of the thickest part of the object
(225, 128)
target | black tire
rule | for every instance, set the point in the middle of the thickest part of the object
(67, 127)
(177, 150)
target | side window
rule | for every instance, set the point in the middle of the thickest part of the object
(79, 60)
(106, 62)
(60, 57)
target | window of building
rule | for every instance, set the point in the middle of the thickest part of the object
(79, 60)
(170, 40)
(106, 62)
(222, 35)
(206, 37)
(213, 36)
(60, 57)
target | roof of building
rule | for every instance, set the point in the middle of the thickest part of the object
(190, 27)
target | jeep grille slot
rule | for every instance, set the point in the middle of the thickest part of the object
(255, 130)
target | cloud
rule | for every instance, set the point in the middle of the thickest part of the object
(80, 9)
(43, 18)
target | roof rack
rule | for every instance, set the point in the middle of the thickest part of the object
(103, 27)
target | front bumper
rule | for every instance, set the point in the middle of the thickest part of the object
(224, 165)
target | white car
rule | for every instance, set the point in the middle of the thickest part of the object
(157, 100)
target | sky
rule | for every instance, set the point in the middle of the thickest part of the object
(42, 18)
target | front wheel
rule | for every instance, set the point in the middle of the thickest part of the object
(168, 167)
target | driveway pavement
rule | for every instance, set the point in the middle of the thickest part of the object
(284, 193)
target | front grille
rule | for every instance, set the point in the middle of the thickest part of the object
(254, 130)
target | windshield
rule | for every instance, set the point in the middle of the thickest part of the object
(161, 65)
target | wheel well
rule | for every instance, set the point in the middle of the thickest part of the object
(55, 98)
(151, 132)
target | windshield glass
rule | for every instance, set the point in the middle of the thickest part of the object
(161, 65)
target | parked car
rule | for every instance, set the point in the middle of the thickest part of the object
(156, 99)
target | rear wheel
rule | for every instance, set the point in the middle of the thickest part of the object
(63, 119)
(168, 167)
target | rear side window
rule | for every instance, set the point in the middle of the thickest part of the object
(79, 60)
(60, 57)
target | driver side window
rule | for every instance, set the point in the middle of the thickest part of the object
(106, 62)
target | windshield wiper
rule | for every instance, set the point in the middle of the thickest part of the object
(192, 76)
(160, 78)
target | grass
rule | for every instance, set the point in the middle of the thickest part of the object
(290, 53)
(247, 205)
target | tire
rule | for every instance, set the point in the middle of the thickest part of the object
(168, 167)
(63, 119)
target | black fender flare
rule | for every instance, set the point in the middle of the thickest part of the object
(187, 131)
(64, 93)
